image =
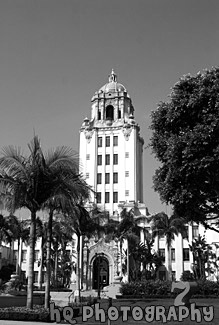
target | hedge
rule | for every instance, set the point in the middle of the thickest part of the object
(38, 313)
(158, 288)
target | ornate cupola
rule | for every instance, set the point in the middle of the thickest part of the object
(111, 104)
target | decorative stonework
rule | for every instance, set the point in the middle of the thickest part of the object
(88, 134)
(127, 129)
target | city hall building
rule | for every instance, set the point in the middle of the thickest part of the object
(111, 160)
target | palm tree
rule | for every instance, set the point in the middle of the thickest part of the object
(65, 200)
(162, 225)
(34, 180)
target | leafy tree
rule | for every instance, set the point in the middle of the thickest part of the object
(185, 140)
(162, 225)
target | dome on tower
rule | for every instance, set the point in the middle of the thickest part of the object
(112, 85)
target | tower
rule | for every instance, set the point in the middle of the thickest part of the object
(111, 148)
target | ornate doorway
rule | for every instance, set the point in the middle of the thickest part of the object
(100, 272)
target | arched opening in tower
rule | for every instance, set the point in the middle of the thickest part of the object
(110, 112)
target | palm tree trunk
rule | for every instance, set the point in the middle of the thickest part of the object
(120, 249)
(31, 260)
(18, 257)
(169, 265)
(41, 264)
(56, 267)
(78, 278)
(48, 255)
(128, 261)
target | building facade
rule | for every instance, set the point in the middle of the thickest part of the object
(111, 160)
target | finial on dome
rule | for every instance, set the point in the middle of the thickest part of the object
(112, 77)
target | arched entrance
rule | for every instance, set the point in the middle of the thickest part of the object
(100, 272)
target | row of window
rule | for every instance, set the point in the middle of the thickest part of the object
(195, 232)
(107, 197)
(36, 255)
(107, 158)
(107, 141)
(173, 254)
(107, 177)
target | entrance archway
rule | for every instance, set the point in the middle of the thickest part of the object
(100, 272)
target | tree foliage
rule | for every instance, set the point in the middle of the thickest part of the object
(185, 140)
(36, 180)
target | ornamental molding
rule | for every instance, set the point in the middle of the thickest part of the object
(88, 134)
(127, 129)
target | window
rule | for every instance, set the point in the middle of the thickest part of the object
(73, 244)
(107, 159)
(115, 159)
(35, 276)
(24, 256)
(107, 178)
(127, 155)
(126, 174)
(99, 178)
(36, 256)
(173, 256)
(107, 141)
(98, 197)
(87, 175)
(127, 193)
(195, 231)
(115, 141)
(115, 197)
(115, 178)
(186, 234)
(99, 142)
(23, 277)
(88, 156)
(173, 275)
(119, 113)
(110, 112)
(185, 254)
(162, 253)
(99, 116)
(15, 257)
(99, 160)
(107, 197)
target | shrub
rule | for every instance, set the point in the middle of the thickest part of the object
(146, 288)
(187, 276)
(159, 288)
(207, 288)
(6, 272)
(38, 313)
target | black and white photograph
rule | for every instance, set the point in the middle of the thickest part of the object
(109, 162)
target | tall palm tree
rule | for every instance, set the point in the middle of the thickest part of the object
(33, 180)
(162, 225)
(64, 200)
